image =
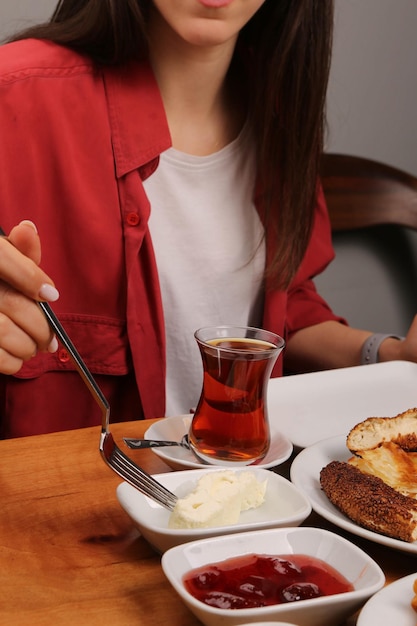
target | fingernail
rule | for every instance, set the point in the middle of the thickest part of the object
(48, 292)
(53, 346)
(31, 224)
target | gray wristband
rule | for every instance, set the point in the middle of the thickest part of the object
(370, 348)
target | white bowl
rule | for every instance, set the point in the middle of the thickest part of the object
(354, 564)
(284, 505)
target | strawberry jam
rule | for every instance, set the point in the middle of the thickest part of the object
(256, 580)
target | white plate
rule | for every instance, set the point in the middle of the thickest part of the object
(307, 408)
(284, 505)
(173, 428)
(391, 605)
(305, 472)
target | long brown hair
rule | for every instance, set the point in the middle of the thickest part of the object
(287, 45)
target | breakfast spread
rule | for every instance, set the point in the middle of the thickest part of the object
(377, 487)
(255, 580)
(218, 500)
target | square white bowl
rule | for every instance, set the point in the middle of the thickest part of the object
(284, 505)
(352, 562)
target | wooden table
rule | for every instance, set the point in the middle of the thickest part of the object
(71, 555)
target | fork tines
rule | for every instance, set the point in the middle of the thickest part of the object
(136, 476)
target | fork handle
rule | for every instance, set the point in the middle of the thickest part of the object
(84, 372)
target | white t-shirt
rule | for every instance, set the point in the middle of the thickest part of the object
(210, 254)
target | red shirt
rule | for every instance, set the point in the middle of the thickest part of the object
(76, 144)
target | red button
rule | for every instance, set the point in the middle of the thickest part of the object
(63, 355)
(132, 219)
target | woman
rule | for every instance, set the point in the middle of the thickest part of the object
(167, 152)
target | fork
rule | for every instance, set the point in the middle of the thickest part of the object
(117, 460)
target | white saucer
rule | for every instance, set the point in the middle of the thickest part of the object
(173, 429)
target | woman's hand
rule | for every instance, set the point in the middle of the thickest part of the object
(24, 329)
(405, 350)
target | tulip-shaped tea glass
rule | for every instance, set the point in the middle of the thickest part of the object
(230, 425)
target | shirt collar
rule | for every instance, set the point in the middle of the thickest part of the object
(137, 117)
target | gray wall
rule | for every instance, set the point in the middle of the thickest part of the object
(16, 14)
(372, 104)
(372, 99)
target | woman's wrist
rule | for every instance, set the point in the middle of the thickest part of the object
(381, 347)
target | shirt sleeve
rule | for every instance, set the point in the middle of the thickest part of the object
(305, 307)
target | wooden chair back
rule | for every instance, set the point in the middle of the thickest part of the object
(361, 192)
